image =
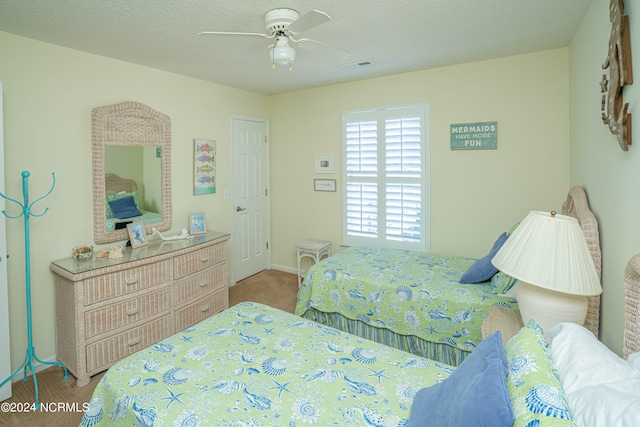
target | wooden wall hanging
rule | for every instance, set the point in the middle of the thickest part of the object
(614, 111)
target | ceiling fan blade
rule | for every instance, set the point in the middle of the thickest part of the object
(323, 47)
(308, 21)
(229, 33)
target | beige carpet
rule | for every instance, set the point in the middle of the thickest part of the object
(65, 401)
(271, 287)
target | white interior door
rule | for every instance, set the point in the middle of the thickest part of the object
(5, 355)
(250, 176)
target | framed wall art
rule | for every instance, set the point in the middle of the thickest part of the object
(204, 166)
(324, 185)
(324, 164)
(136, 234)
(197, 223)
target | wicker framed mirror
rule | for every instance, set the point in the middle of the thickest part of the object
(131, 169)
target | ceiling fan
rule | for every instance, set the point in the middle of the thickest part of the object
(285, 25)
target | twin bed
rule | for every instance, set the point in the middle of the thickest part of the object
(414, 301)
(409, 300)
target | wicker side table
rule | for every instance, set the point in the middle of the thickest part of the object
(502, 319)
(314, 249)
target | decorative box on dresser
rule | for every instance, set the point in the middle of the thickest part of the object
(106, 309)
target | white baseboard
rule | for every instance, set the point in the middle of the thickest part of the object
(284, 268)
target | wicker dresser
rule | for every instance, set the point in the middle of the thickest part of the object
(107, 309)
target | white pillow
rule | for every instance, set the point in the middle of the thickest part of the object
(602, 389)
(634, 359)
(582, 360)
(612, 404)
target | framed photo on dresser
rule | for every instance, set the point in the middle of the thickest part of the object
(136, 234)
(197, 223)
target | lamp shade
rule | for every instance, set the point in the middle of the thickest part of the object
(550, 251)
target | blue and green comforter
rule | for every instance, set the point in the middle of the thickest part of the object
(407, 293)
(253, 365)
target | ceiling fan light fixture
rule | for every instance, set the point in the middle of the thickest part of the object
(283, 55)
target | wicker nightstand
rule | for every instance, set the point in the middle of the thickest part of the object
(314, 249)
(507, 321)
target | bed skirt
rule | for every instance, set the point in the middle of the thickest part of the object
(441, 352)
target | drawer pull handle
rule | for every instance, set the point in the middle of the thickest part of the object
(131, 281)
(204, 284)
(132, 311)
(203, 260)
(134, 342)
(205, 309)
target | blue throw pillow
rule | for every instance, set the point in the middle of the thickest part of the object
(124, 207)
(116, 196)
(482, 270)
(475, 394)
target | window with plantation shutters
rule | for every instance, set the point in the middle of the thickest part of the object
(385, 177)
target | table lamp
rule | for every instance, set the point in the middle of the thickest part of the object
(549, 256)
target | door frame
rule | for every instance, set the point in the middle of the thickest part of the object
(234, 161)
(5, 348)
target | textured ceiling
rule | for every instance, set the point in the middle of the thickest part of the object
(397, 36)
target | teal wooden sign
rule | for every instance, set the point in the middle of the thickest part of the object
(474, 136)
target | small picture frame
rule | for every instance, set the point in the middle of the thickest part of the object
(324, 164)
(324, 185)
(197, 223)
(137, 237)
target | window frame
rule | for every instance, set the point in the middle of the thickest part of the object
(382, 115)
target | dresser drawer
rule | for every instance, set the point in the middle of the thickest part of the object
(113, 285)
(200, 284)
(193, 262)
(104, 353)
(114, 316)
(202, 309)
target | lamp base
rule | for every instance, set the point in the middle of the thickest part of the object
(548, 308)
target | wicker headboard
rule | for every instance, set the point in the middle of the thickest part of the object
(577, 206)
(632, 306)
(114, 184)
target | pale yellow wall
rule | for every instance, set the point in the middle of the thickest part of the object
(475, 195)
(610, 176)
(49, 93)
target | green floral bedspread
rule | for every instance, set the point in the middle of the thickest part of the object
(405, 292)
(253, 365)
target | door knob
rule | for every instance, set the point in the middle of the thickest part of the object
(238, 209)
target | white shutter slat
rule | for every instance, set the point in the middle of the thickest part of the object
(403, 147)
(362, 151)
(362, 209)
(403, 212)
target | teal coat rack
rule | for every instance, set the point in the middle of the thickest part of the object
(29, 359)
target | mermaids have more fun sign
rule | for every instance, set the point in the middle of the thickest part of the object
(204, 166)
(474, 136)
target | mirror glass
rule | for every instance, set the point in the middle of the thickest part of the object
(131, 174)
